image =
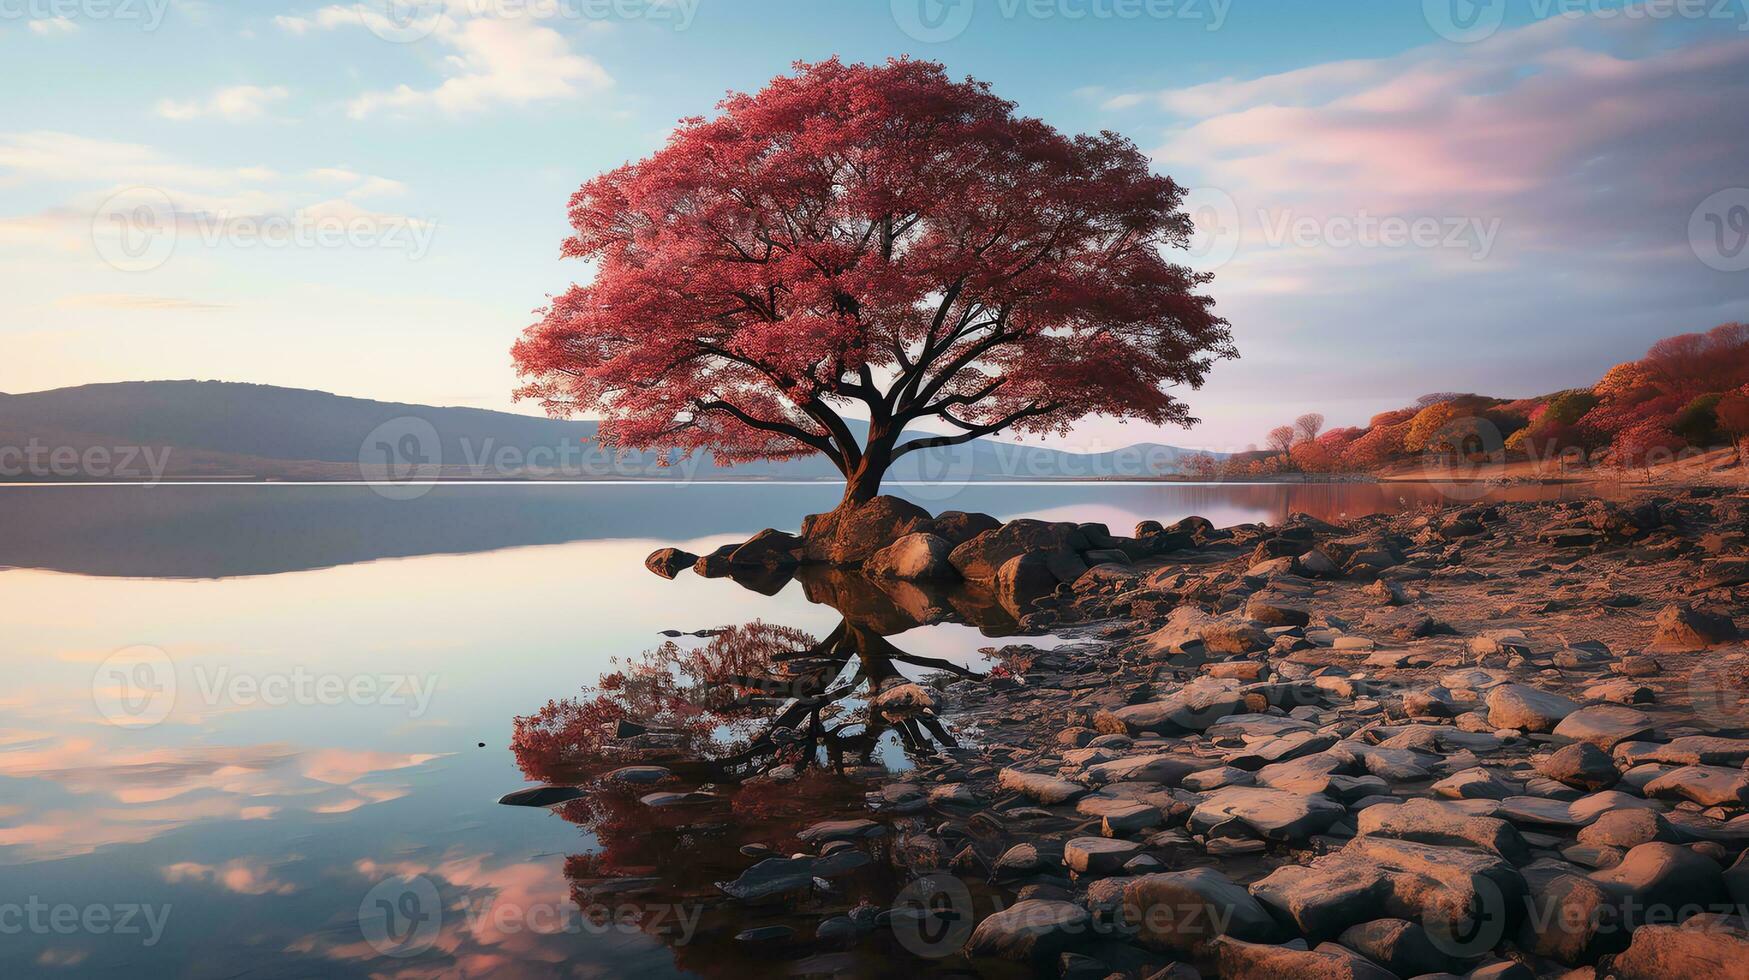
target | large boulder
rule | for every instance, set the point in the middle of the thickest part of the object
(1604, 725)
(981, 558)
(917, 557)
(1022, 580)
(1681, 628)
(851, 534)
(1240, 960)
(959, 526)
(1433, 822)
(1657, 882)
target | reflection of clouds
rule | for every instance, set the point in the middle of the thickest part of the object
(513, 919)
(139, 795)
(245, 876)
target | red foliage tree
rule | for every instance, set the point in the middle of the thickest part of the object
(881, 239)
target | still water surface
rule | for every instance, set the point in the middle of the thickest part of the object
(331, 663)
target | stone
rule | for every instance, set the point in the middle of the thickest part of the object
(1662, 879)
(957, 527)
(1686, 952)
(1527, 708)
(981, 557)
(851, 534)
(831, 830)
(1627, 829)
(1044, 788)
(1024, 859)
(1571, 919)
(669, 562)
(639, 775)
(1432, 822)
(1194, 708)
(771, 878)
(1098, 855)
(1603, 725)
(1706, 785)
(1033, 931)
(1182, 911)
(1477, 784)
(768, 549)
(1273, 814)
(1276, 610)
(1160, 768)
(541, 796)
(1681, 628)
(1023, 580)
(1582, 765)
(1239, 960)
(1398, 945)
(1324, 898)
(916, 557)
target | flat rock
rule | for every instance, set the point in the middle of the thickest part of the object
(1273, 814)
(1098, 855)
(1603, 725)
(1706, 785)
(1047, 789)
(1181, 911)
(1527, 708)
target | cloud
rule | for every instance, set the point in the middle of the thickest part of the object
(238, 103)
(51, 26)
(243, 876)
(493, 61)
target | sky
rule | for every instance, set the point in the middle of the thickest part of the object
(1395, 196)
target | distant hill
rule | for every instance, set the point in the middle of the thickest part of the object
(227, 430)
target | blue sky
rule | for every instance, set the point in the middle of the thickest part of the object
(1392, 205)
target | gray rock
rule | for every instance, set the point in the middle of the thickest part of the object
(1044, 788)
(917, 557)
(1269, 813)
(1580, 764)
(1706, 785)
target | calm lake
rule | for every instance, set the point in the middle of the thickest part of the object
(231, 712)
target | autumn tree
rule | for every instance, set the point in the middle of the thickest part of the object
(1733, 415)
(1307, 426)
(878, 242)
(1280, 438)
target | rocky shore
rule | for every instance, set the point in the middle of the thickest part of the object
(1496, 740)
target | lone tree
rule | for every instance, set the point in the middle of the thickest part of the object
(879, 242)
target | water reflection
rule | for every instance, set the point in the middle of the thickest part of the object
(695, 768)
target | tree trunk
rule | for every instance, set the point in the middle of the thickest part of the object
(864, 483)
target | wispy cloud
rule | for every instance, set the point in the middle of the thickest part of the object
(494, 61)
(237, 103)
